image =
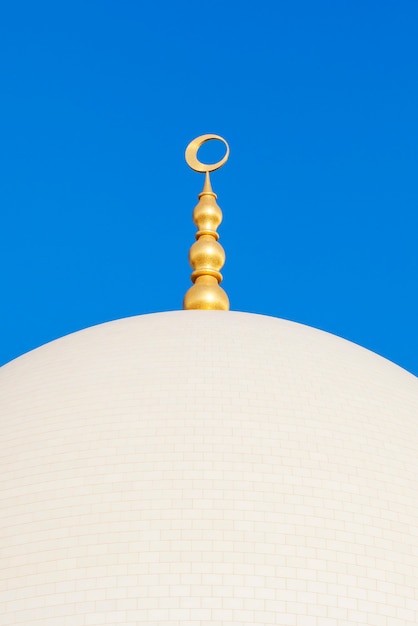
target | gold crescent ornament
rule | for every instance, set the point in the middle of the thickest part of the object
(193, 148)
(206, 255)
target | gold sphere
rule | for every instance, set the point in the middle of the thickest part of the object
(207, 215)
(206, 252)
(206, 294)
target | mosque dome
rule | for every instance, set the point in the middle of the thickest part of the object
(202, 468)
(207, 468)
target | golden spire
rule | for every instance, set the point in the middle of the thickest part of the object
(206, 255)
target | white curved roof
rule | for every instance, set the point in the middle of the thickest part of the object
(201, 468)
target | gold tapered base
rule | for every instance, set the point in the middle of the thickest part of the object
(206, 294)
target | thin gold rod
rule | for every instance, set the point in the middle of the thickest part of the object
(206, 255)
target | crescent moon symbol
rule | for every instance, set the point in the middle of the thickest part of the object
(192, 150)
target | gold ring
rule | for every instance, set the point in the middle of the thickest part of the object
(192, 150)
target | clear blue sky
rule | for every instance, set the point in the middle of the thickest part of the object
(319, 102)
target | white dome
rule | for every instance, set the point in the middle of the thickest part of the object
(196, 468)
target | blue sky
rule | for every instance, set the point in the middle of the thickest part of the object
(318, 101)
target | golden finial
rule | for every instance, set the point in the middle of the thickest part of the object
(206, 255)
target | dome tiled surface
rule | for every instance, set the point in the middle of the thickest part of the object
(196, 468)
